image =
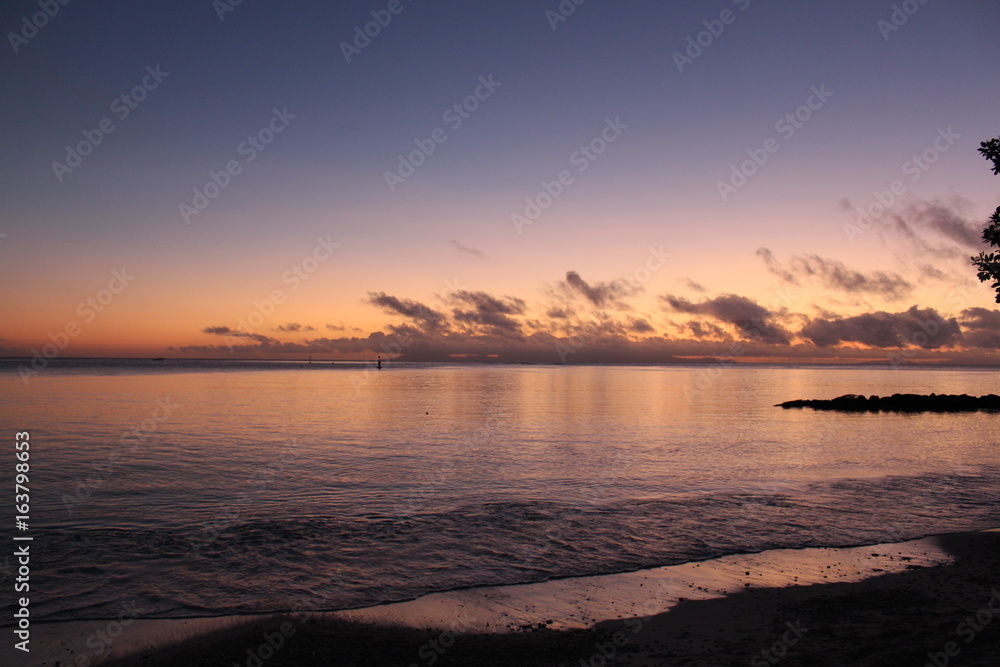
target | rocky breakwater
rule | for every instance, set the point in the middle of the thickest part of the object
(902, 403)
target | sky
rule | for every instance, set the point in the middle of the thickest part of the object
(519, 181)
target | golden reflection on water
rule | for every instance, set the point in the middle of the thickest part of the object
(582, 434)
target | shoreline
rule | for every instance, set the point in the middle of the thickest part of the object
(557, 617)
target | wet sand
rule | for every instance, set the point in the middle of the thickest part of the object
(932, 601)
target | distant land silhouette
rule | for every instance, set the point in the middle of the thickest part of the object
(902, 403)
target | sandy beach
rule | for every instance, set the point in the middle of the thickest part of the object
(928, 601)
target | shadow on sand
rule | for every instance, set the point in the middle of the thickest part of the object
(905, 618)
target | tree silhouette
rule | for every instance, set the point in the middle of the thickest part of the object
(989, 263)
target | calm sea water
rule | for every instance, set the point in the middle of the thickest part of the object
(217, 488)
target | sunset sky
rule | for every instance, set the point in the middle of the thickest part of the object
(275, 183)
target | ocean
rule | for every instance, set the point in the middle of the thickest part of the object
(208, 488)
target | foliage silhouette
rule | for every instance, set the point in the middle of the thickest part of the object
(989, 263)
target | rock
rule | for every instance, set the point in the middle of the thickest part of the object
(902, 403)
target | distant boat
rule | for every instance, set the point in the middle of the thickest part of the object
(158, 359)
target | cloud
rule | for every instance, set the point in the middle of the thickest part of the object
(476, 325)
(236, 333)
(341, 327)
(981, 328)
(489, 304)
(929, 272)
(604, 294)
(924, 328)
(930, 229)
(489, 311)
(935, 217)
(775, 267)
(640, 326)
(690, 284)
(753, 320)
(705, 330)
(837, 276)
(293, 327)
(476, 252)
(428, 318)
(975, 338)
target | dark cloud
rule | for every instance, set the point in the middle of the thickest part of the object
(340, 327)
(488, 311)
(705, 330)
(481, 326)
(264, 347)
(753, 320)
(607, 340)
(687, 282)
(293, 327)
(929, 272)
(604, 294)
(836, 275)
(775, 267)
(945, 221)
(931, 229)
(484, 302)
(468, 250)
(924, 328)
(640, 326)
(236, 333)
(981, 328)
(428, 318)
